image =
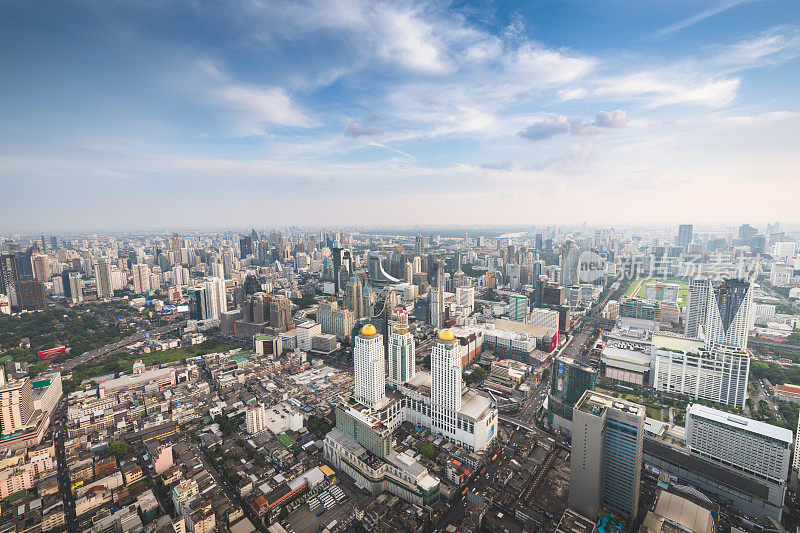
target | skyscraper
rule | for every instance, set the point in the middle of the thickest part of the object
(728, 315)
(75, 286)
(216, 297)
(177, 244)
(568, 382)
(437, 299)
(696, 306)
(402, 360)
(570, 262)
(9, 278)
(447, 385)
(103, 278)
(245, 246)
(354, 297)
(369, 363)
(31, 295)
(419, 245)
(141, 278)
(280, 313)
(685, 235)
(606, 463)
(41, 267)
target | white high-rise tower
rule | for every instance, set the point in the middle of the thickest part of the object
(402, 361)
(369, 362)
(447, 386)
(696, 306)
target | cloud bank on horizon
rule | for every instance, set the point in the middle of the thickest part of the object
(369, 112)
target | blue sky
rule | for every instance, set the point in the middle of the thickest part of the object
(188, 113)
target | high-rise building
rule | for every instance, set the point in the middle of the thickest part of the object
(447, 385)
(354, 297)
(9, 278)
(53, 242)
(228, 262)
(437, 299)
(31, 295)
(746, 232)
(245, 246)
(216, 297)
(717, 375)
(465, 297)
(75, 286)
(280, 313)
(177, 244)
(543, 317)
(256, 419)
(141, 278)
(568, 381)
(339, 322)
(728, 315)
(103, 278)
(796, 456)
(696, 307)
(755, 447)
(402, 360)
(369, 368)
(41, 267)
(570, 262)
(419, 245)
(16, 406)
(685, 235)
(518, 307)
(606, 462)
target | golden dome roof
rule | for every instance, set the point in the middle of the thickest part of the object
(368, 330)
(446, 335)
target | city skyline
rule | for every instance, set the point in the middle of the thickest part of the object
(319, 113)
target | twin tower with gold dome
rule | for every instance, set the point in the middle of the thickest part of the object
(437, 399)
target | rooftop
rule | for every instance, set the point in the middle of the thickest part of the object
(672, 510)
(728, 419)
(596, 403)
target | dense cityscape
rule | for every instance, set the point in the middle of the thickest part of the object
(557, 379)
(400, 266)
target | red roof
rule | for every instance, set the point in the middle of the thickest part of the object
(787, 389)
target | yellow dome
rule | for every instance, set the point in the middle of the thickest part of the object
(369, 329)
(446, 335)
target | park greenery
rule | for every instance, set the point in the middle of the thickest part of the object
(80, 329)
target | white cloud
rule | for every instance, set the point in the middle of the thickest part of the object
(549, 128)
(546, 129)
(720, 7)
(775, 45)
(250, 109)
(669, 86)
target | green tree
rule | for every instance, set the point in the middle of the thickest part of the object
(428, 450)
(118, 449)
